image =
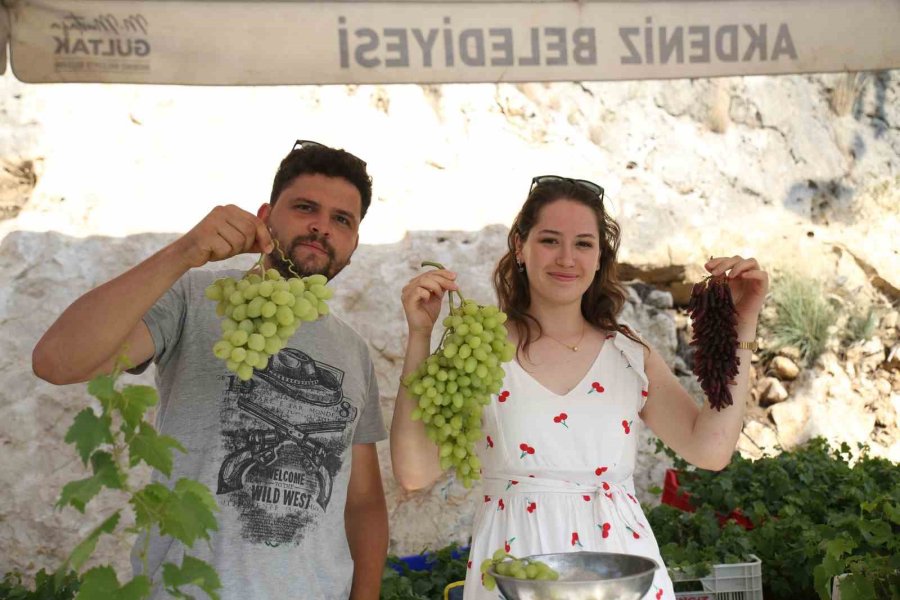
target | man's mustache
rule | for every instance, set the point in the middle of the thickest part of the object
(314, 238)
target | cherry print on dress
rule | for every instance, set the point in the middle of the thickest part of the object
(604, 529)
(561, 418)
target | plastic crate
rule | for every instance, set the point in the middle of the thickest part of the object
(737, 581)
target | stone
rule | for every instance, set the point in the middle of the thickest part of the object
(791, 352)
(632, 295)
(660, 299)
(790, 421)
(658, 327)
(868, 355)
(758, 440)
(839, 421)
(772, 391)
(785, 368)
(893, 358)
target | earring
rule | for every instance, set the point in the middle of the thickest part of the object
(520, 266)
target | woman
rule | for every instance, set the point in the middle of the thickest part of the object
(561, 440)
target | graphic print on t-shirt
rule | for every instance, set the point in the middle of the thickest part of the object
(285, 432)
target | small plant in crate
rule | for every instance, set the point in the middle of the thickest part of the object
(442, 567)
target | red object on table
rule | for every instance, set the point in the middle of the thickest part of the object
(682, 500)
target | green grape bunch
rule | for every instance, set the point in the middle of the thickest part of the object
(260, 312)
(507, 565)
(456, 381)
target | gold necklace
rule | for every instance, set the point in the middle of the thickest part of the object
(573, 348)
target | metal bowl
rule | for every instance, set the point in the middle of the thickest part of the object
(584, 576)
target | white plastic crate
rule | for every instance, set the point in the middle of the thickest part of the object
(737, 581)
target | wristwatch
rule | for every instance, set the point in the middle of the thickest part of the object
(751, 346)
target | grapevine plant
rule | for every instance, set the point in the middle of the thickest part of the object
(113, 443)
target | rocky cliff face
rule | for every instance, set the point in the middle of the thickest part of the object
(800, 172)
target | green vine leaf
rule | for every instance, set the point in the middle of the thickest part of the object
(153, 449)
(185, 512)
(148, 503)
(106, 474)
(88, 432)
(83, 551)
(877, 533)
(188, 514)
(184, 486)
(892, 512)
(856, 587)
(101, 583)
(103, 387)
(824, 573)
(134, 402)
(193, 571)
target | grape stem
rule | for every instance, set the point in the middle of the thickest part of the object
(284, 258)
(437, 265)
(431, 263)
(259, 266)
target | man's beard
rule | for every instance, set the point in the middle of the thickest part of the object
(290, 266)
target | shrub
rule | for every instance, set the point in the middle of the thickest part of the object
(815, 514)
(802, 316)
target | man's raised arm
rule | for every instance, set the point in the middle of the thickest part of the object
(91, 334)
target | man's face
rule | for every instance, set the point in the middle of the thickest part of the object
(315, 221)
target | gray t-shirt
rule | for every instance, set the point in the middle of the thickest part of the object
(275, 450)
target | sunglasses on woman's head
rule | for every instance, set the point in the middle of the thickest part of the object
(582, 183)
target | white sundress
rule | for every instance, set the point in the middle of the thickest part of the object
(557, 469)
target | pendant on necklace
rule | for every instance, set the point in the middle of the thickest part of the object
(574, 348)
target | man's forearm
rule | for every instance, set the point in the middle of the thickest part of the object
(367, 535)
(94, 328)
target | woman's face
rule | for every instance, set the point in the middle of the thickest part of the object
(562, 252)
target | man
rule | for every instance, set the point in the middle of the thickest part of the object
(301, 516)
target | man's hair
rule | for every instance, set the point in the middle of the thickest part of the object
(314, 159)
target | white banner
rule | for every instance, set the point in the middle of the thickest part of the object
(263, 43)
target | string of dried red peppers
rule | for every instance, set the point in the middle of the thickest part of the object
(714, 321)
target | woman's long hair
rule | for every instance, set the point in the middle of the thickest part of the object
(605, 297)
